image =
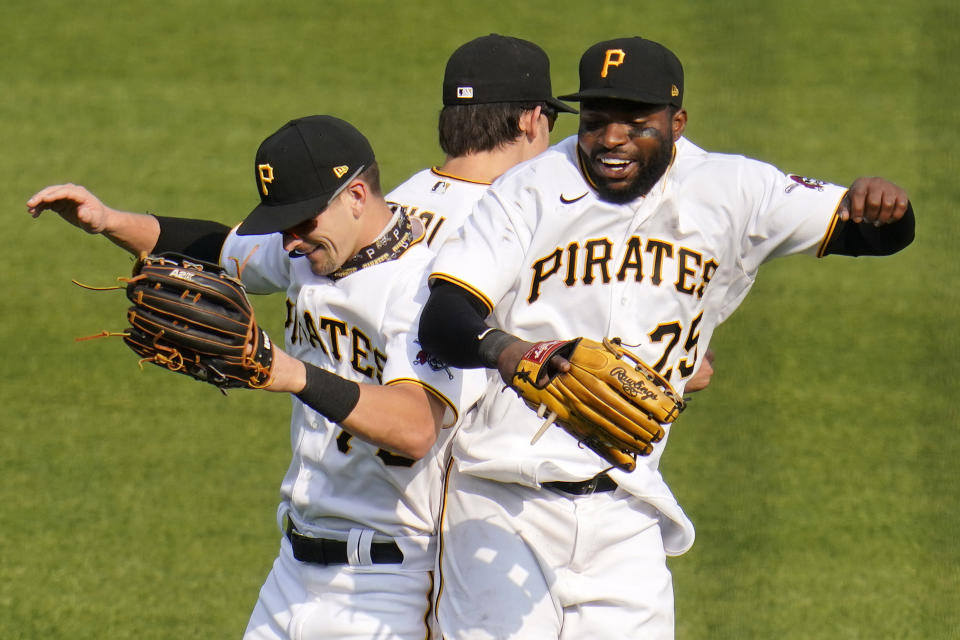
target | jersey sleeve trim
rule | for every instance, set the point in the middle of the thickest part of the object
(464, 285)
(451, 408)
(224, 245)
(822, 248)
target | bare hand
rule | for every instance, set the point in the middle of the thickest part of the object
(873, 200)
(703, 374)
(74, 203)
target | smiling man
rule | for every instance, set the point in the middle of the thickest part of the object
(371, 412)
(625, 230)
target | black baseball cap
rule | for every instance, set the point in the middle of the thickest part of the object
(301, 168)
(498, 68)
(631, 69)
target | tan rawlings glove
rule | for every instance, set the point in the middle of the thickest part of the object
(610, 400)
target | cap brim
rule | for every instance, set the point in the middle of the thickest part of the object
(613, 93)
(276, 218)
(559, 106)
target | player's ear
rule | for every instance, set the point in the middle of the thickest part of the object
(679, 123)
(357, 193)
(528, 122)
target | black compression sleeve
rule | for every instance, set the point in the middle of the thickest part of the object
(450, 323)
(200, 239)
(852, 239)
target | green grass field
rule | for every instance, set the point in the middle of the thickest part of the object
(820, 467)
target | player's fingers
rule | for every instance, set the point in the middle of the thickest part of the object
(893, 207)
(48, 197)
(856, 197)
(884, 203)
(555, 366)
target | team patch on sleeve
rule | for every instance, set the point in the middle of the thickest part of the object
(809, 183)
(423, 358)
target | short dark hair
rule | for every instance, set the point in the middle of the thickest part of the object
(371, 176)
(472, 128)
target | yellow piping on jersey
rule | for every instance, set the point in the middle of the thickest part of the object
(583, 169)
(834, 221)
(443, 515)
(436, 171)
(463, 285)
(439, 396)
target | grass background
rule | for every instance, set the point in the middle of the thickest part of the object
(820, 467)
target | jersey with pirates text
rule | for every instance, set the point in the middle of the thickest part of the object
(363, 328)
(440, 200)
(553, 260)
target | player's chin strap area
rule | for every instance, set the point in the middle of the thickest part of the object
(399, 236)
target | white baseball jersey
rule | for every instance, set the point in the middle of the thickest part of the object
(552, 260)
(440, 200)
(363, 327)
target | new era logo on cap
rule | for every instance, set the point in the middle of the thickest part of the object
(301, 168)
(465, 92)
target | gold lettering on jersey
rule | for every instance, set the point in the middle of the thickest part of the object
(361, 349)
(572, 250)
(709, 268)
(310, 329)
(335, 329)
(658, 248)
(632, 259)
(612, 58)
(340, 171)
(686, 268)
(598, 255)
(684, 272)
(543, 269)
(686, 367)
(265, 172)
(431, 221)
(329, 336)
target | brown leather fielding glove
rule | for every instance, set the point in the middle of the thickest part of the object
(192, 317)
(610, 400)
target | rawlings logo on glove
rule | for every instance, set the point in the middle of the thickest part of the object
(610, 400)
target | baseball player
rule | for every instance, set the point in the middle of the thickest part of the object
(495, 88)
(630, 230)
(371, 410)
(498, 110)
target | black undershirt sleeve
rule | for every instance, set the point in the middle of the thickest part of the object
(852, 239)
(450, 323)
(199, 239)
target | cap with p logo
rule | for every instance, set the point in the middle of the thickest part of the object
(301, 168)
(633, 69)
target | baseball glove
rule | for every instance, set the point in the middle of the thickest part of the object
(610, 400)
(192, 317)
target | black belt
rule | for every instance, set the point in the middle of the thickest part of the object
(326, 552)
(596, 484)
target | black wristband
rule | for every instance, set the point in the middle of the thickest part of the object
(328, 393)
(492, 345)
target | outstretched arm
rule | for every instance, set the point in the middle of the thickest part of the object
(135, 232)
